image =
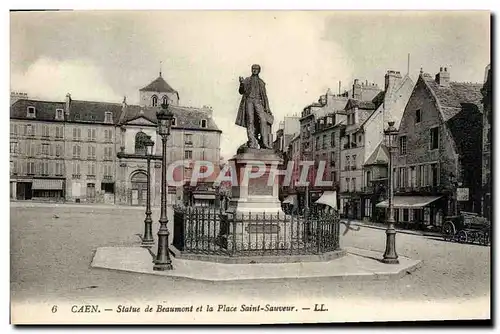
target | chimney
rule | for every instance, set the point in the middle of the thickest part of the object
(68, 104)
(392, 79)
(208, 110)
(443, 77)
(15, 96)
(356, 90)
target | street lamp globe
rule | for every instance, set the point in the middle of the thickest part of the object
(165, 118)
(149, 146)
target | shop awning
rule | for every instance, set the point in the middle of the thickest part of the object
(204, 196)
(291, 199)
(46, 184)
(409, 202)
(328, 198)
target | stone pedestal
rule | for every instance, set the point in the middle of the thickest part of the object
(257, 195)
(257, 220)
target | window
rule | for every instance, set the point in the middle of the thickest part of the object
(395, 180)
(434, 175)
(332, 159)
(59, 131)
(434, 138)
(347, 162)
(30, 167)
(45, 149)
(164, 99)
(108, 135)
(332, 139)
(402, 145)
(91, 152)
(28, 130)
(368, 178)
(77, 133)
(354, 162)
(353, 184)
(402, 177)
(413, 177)
(108, 152)
(317, 143)
(76, 170)
(58, 150)
(360, 138)
(174, 121)
(334, 176)
(368, 208)
(14, 167)
(347, 184)
(13, 129)
(45, 130)
(59, 114)
(31, 112)
(107, 170)
(44, 168)
(13, 147)
(140, 143)
(91, 134)
(324, 141)
(59, 168)
(108, 117)
(188, 139)
(76, 151)
(405, 215)
(91, 169)
(418, 116)
(154, 100)
(203, 123)
(188, 154)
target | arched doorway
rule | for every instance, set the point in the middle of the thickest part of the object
(139, 188)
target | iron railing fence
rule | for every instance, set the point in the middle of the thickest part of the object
(213, 231)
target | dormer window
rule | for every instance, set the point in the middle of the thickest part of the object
(203, 123)
(31, 112)
(154, 100)
(174, 121)
(59, 114)
(108, 117)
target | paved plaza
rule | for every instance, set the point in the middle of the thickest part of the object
(52, 248)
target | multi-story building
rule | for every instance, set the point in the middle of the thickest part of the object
(439, 149)
(487, 136)
(287, 130)
(327, 147)
(362, 147)
(85, 151)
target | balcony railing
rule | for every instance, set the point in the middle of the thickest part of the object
(76, 176)
(108, 177)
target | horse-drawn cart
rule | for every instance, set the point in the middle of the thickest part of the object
(468, 227)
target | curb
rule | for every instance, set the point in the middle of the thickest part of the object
(422, 234)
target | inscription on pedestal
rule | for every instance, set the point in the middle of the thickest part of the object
(259, 228)
(260, 189)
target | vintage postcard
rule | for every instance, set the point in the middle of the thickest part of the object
(250, 167)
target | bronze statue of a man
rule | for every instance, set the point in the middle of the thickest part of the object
(254, 112)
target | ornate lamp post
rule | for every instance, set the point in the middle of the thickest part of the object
(390, 255)
(163, 261)
(147, 238)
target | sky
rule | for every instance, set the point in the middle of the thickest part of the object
(106, 55)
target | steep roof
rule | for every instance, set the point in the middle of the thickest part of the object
(379, 157)
(365, 105)
(93, 112)
(44, 110)
(451, 97)
(185, 117)
(158, 85)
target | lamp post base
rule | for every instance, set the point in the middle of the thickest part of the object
(147, 243)
(163, 266)
(147, 238)
(390, 255)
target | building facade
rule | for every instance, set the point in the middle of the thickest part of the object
(439, 150)
(487, 141)
(85, 151)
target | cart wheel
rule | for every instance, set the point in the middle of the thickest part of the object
(486, 239)
(448, 230)
(462, 237)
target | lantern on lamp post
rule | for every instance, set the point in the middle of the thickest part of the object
(390, 255)
(147, 238)
(163, 261)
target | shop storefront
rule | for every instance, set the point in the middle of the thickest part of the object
(417, 210)
(48, 189)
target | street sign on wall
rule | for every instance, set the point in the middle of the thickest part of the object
(462, 194)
